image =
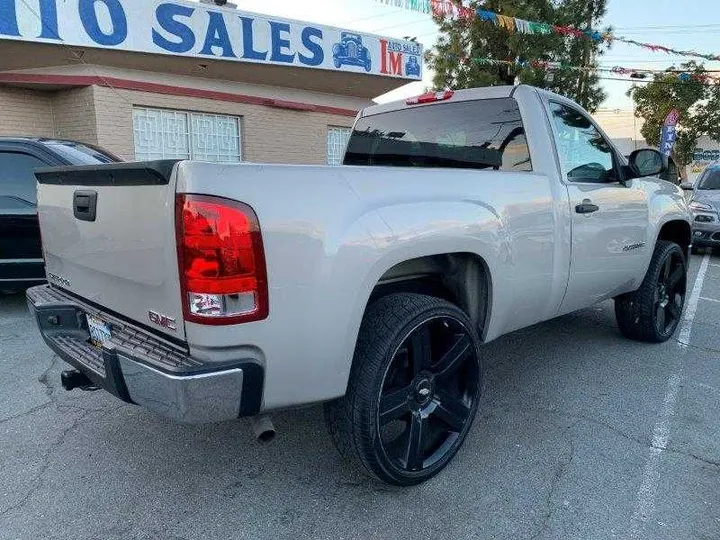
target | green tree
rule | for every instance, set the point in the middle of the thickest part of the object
(697, 100)
(473, 38)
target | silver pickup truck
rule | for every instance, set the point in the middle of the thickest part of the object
(208, 292)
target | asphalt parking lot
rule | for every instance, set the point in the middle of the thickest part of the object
(581, 435)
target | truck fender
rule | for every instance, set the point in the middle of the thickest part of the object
(483, 236)
(666, 206)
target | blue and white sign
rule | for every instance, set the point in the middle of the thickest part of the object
(206, 31)
(668, 135)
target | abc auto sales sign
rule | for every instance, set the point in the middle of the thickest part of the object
(205, 31)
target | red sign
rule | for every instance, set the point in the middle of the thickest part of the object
(391, 62)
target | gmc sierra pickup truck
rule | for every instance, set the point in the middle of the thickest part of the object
(208, 292)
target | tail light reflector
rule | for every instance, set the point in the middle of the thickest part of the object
(222, 261)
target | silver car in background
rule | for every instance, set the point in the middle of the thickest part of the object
(705, 206)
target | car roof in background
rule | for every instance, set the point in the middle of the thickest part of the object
(58, 146)
(40, 140)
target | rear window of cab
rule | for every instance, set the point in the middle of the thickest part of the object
(481, 134)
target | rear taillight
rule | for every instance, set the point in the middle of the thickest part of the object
(221, 259)
(430, 97)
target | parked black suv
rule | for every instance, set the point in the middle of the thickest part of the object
(21, 263)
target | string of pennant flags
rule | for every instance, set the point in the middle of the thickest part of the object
(551, 66)
(451, 9)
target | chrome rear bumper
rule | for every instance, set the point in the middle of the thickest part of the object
(142, 368)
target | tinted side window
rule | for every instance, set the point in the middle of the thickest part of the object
(584, 153)
(710, 180)
(483, 134)
(17, 178)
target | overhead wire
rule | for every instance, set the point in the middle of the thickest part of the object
(80, 58)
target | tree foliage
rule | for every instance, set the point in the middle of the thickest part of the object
(477, 39)
(697, 100)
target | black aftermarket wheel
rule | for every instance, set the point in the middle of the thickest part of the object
(413, 390)
(653, 312)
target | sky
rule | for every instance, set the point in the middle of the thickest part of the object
(680, 24)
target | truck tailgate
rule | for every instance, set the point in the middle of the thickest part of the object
(108, 236)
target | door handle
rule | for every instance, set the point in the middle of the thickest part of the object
(85, 205)
(586, 207)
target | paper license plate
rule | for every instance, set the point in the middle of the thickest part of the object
(99, 331)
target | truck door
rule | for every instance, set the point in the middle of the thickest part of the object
(609, 219)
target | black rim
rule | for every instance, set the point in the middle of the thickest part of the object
(670, 293)
(428, 394)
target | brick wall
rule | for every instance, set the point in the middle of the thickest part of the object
(74, 112)
(103, 116)
(268, 135)
(25, 112)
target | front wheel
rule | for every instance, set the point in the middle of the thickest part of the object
(652, 313)
(413, 391)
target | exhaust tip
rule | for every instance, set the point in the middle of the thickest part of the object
(263, 428)
(72, 379)
(266, 436)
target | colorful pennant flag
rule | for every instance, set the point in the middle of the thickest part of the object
(551, 66)
(451, 9)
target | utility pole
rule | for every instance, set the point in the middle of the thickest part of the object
(582, 80)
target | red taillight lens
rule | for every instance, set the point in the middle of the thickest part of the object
(430, 97)
(222, 262)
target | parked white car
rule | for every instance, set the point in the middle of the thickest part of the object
(206, 292)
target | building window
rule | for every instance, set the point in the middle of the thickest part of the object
(336, 142)
(168, 134)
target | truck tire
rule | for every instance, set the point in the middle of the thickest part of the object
(413, 391)
(652, 312)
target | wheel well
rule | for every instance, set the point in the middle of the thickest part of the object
(677, 231)
(460, 278)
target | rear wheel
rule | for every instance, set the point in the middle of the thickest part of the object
(652, 313)
(413, 390)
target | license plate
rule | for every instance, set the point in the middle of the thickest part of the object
(99, 331)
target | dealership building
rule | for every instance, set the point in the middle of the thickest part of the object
(152, 79)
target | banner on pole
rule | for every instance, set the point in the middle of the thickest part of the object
(669, 132)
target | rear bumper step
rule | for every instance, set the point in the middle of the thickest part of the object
(139, 368)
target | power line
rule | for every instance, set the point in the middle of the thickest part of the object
(371, 17)
(662, 27)
(79, 57)
(402, 24)
(647, 81)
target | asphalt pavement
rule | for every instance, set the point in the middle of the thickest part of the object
(581, 435)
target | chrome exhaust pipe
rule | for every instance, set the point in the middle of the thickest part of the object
(263, 428)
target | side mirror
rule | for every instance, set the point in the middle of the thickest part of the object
(687, 186)
(647, 162)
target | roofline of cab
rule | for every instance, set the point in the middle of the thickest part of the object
(469, 94)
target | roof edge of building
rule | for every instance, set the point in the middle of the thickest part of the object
(156, 88)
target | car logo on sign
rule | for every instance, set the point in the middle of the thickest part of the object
(162, 320)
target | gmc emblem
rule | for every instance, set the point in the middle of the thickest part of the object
(162, 320)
